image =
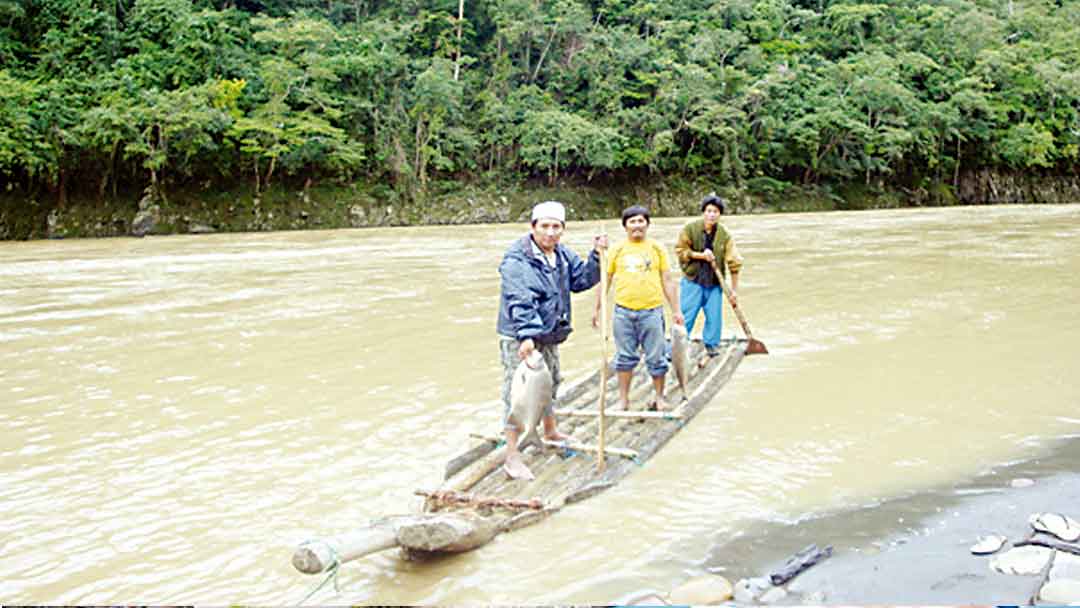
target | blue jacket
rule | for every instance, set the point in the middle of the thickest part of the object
(535, 299)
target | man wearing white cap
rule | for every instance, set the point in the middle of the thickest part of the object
(538, 276)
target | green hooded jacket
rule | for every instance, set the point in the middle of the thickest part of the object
(692, 238)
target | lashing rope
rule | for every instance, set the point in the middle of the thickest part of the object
(331, 574)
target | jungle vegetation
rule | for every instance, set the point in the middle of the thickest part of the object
(101, 95)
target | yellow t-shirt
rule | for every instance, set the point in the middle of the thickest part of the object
(636, 269)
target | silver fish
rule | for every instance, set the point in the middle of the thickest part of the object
(680, 357)
(530, 394)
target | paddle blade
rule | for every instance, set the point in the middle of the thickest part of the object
(756, 347)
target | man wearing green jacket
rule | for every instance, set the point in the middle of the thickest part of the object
(702, 243)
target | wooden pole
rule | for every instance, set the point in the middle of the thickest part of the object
(319, 555)
(600, 458)
(582, 447)
(755, 346)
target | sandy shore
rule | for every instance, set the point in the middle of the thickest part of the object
(916, 549)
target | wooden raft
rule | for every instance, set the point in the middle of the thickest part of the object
(477, 501)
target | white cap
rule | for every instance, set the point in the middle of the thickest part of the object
(549, 209)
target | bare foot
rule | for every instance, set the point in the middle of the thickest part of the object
(555, 436)
(516, 469)
(624, 406)
(662, 406)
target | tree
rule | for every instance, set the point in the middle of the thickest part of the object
(21, 150)
(434, 97)
(173, 128)
(552, 140)
(294, 125)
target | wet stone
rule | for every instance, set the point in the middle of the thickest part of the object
(357, 216)
(704, 590)
(1021, 560)
(1066, 566)
(774, 595)
(1064, 592)
(145, 221)
(748, 590)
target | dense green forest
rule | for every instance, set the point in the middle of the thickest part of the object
(105, 96)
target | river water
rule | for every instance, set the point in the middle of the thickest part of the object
(178, 413)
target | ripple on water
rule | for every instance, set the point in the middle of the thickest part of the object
(284, 412)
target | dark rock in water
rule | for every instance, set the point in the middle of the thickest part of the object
(145, 221)
(146, 201)
(357, 216)
(52, 225)
(148, 216)
(799, 562)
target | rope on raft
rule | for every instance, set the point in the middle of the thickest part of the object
(331, 573)
(461, 498)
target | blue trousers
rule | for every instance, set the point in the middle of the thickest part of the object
(694, 298)
(644, 329)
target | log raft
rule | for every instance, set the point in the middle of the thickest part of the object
(477, 501)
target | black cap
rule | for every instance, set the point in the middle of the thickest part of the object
(630, 212)
(713, 199)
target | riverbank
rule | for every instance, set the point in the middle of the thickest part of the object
(916, 549)
(207, 208)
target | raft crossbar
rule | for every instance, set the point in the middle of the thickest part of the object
(672, 415)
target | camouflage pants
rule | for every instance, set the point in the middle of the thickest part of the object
(508, 354)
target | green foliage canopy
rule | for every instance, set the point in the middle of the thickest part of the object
(133, 93)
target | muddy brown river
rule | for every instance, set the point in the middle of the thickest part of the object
(178, 413)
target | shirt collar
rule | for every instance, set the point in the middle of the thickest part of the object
(540, 252)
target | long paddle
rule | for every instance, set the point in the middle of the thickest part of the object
(756, 347)
(601, 460)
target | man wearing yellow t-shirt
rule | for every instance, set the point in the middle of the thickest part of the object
(641, 272)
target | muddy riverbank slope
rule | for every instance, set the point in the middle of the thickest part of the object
(208, 208)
